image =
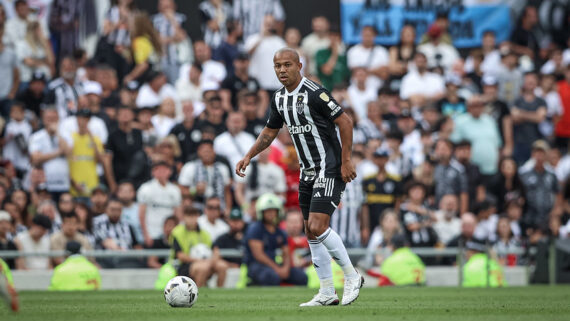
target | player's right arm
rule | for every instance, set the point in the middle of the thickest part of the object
(265, 138)
(267, 135)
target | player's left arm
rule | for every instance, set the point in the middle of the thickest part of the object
(327, 106)
(347, 170)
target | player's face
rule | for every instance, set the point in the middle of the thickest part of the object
(287, 69)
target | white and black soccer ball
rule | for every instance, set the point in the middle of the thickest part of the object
(181, 292)
(200, 251)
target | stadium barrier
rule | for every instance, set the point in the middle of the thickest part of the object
(144, 278)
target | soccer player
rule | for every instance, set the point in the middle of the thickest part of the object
(311, 115)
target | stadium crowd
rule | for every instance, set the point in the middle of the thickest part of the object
(115, 148)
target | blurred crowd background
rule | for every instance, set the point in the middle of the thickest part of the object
(112, 127)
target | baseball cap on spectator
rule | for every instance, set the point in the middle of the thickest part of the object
(4, 216)
(235, 214)
(101, 188)
(83, 113)
(381, 152)
(489, 80)
(540, 145)
(73, 247)
(434, 31)
(38, 76)
(42, 221)
(92, 87)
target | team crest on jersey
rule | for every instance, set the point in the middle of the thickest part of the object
(300, 105)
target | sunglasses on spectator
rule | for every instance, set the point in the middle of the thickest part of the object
(212, 207)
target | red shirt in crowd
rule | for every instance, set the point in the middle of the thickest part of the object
(563, 125)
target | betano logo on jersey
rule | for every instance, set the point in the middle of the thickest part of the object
(302, 129)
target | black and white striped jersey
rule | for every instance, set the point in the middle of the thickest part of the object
(309, 112)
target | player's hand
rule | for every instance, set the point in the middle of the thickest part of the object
(347, 171)
(241, 166)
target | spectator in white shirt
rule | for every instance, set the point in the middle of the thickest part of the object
(35, 54)
(152, 93)
(165, 119)
(261, 48)
(360, 92)
(375, 59)
(438, 54)
(316, 40)
(206, 177)
(492, 57)
(547, 91)
(48, 150)
(16, 136)
(34, 239)
(96, 126)
(211, 221)
(447, 223)
(212, 71)
(191, 87)
(264, 176)
(421, 86)
(158, 199)
(234, 143)
(16, 26)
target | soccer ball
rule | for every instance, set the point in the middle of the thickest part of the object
(181, 292)
(200, 251)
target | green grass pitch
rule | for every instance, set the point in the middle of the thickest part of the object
(273, 304)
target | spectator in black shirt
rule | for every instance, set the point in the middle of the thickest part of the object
(416, 217)
(524, 40)
(162, 243)
(214, 113)
(476, 186)
(248, 104)
(126, 147)
(228, 50)
(34, 95)
(232, 239)
(237, 81)
(499, 110)
(186, 132)
(381, 191)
